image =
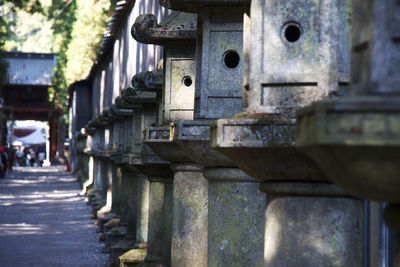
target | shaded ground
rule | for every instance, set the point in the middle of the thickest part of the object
(44, 222)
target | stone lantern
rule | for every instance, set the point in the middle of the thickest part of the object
(235, 206)
(87, 150)
(98, 196)
(108, 212)
(152, 173)
(355, 140)
(82, 159)
(103, 153)
(296, 52)
(177, 34)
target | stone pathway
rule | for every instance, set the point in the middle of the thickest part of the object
(44, 221)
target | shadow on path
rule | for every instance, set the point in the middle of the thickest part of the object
(44, 221)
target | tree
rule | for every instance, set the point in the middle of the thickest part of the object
(3, 63)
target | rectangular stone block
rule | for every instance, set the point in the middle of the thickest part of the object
(180, 74)
(219, 64)
(299, 53)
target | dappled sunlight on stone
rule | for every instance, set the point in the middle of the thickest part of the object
(271, 240)
(90, 180)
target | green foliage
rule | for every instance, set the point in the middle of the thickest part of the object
(78, 29)
(30, 33)
(64, 16)
(31, 6)
(3, 63)
(87, 31)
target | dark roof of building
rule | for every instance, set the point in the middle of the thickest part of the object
(30, 68)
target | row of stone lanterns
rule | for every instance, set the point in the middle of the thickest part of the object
(185, 181)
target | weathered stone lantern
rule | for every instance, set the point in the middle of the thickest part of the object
(109, 212)
(233, 238)
(176, 100)
(105, 164)
(296, 52)
(82, 158)
(98, 195)
(88, 146)
(177, 34)
(148, 166)
(355, 140)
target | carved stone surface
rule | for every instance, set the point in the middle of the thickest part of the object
(219, 70)
(218, 94)
(300, 53)
(355, 141)
(180, 75)
(177, 33)
(194, 6)
(177, 26)
(141, 157)
(264, 148)
(142, 215)
(218, 81)
(157, 138)
(193, 137)
(146, 81)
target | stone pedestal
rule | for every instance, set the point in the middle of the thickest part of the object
(236, 217)
(160, 218)
(319, 221)
(129, 191)
(142, 213)
(157, 138)
(190, 216)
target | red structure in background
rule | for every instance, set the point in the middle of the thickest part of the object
(22, 132)
(25, 95)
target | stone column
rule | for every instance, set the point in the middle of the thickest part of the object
(142, 215)
(190, 216)
(128, 193)
(160, 217)
(236, 216)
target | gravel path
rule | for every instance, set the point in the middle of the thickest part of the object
(44, 221)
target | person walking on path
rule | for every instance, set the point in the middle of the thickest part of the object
(33, 157)
(2, 174)
(4, 162)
